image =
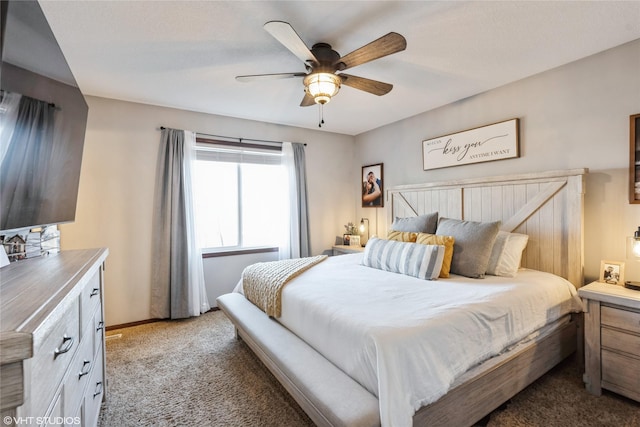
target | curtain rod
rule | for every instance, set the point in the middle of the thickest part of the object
(236, 137)
(51, 104)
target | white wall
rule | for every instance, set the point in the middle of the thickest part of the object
(571, 117)
(117, 187)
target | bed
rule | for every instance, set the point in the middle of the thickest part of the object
(323, 373)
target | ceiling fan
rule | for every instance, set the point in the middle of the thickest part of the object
(324, 66)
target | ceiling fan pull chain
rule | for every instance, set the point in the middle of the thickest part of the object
(321, 114)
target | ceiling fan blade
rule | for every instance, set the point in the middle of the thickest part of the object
(259, 77)
(285, 34)
(307, 101)
(385, 45)
(372, 86)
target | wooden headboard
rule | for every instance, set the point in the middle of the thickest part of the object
(547, 206)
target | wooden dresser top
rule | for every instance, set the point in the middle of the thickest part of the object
(31, 289)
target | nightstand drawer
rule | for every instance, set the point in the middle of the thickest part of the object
(621, 374)
(620, 341)
(622, 319)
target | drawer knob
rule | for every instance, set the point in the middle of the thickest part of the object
(67, 343)
(98, 389)
(94, 292)
(86, 368)
(100, 326)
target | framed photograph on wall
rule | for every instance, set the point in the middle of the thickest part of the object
(372, 183)
(612, 272)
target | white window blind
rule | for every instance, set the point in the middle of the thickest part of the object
(222, 153)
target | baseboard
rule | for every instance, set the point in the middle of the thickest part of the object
(144, 322)
(130, 324)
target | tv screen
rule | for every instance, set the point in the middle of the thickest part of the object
(43, 119)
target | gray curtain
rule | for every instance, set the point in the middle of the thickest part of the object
(301, 188)
(24, 166)
(177, 289)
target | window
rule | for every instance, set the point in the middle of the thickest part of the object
(241, 197)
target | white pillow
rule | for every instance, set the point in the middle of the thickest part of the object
(506, 254)
(412, 259)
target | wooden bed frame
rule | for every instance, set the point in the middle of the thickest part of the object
(546, 206)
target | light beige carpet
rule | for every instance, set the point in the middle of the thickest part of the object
(195, 373)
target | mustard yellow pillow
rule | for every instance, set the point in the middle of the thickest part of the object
(402, 236)
(446, 241)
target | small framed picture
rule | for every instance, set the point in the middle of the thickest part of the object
(354, 240)
(346, 239)
(612, 272)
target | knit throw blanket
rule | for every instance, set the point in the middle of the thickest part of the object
(263, 282)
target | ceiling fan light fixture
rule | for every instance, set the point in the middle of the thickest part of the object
(322, 86)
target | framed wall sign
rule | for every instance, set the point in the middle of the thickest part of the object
(484, 144)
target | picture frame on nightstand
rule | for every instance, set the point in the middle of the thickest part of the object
(612, 272)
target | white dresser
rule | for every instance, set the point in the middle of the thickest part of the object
(52, 357)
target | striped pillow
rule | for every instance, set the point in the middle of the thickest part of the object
(421, 261)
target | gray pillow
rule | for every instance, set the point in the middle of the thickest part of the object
(418, 224)
(472, 247)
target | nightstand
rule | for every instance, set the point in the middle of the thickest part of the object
(612, 339)
(346, 249)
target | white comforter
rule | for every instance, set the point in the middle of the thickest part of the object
(406, 340)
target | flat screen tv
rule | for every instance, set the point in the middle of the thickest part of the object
(43, 118)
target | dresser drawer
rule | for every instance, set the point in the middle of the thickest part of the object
(55, 414)
(78, 376)
(52, 355)
(621, 374)
(90, 298)
(621, 341)
(98, 331)
(622, 319)
(95, 392)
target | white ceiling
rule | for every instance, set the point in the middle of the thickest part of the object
(186, 54)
